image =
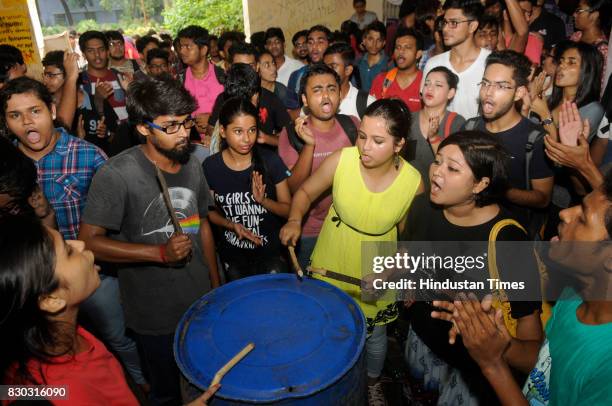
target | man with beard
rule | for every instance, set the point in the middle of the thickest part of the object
(318, 41)
(464, 58)
(505, 82)
(162, 271)
(403, 81)
(300, 46)
(116, 52)
(316, 136)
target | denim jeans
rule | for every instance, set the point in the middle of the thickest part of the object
(103, 309)
(376, 351)
(162, 371)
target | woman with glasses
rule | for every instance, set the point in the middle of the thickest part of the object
(249, 186)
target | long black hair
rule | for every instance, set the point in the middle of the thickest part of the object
(237, 106)
(589, 82)
(27, 273)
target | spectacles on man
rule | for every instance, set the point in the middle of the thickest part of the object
(51, 75)
(116, 43)
(173, 127)
(453, 23)
(497, 86)
(582, 10)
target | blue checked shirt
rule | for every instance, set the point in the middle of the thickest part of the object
(64, 176)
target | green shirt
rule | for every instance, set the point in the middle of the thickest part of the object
(581, 357)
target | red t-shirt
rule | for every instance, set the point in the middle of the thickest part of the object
(326, 144)
(410, 95)
(93, 377)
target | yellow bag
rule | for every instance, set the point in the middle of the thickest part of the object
(500, 299)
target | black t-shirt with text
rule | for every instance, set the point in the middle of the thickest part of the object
(232, 193)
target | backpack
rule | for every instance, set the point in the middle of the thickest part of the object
(346, 122)
(537, 219)
(362, 102)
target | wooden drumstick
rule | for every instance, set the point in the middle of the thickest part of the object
(230, 364)
(294, 261)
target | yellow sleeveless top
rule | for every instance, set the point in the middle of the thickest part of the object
(359, 215)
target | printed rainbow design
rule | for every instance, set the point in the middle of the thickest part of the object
(191, 225)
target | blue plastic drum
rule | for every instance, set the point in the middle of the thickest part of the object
(309, 342)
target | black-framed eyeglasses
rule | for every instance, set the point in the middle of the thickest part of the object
(497, 86)
(51, 75)
(174, 127)
(453, 23)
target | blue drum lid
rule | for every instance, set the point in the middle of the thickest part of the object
(307, 335)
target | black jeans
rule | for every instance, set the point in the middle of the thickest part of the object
(160, 367)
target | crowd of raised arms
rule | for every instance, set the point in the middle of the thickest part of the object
(433, 127)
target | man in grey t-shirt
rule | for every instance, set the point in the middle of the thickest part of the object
(126, 222)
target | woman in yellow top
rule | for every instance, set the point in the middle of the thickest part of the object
(373, 188)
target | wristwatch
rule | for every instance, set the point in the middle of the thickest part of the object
(547, 121)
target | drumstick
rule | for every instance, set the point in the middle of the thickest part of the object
(230, 364)
(335, 276)
(294, 261)
(164, 189)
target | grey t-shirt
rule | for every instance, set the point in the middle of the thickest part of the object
(420, 153)
(125, 199)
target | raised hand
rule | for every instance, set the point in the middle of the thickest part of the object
(571, 127)
(104, 89)
(258, 187)
(101, 128)
(433, 127)
(303, 131)
(71, 65)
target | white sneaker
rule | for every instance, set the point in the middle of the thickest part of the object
(376, 396)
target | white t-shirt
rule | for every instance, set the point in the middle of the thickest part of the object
(465, 101)
(290, 66)
(348, 105)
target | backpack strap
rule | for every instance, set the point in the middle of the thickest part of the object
(389, 79)
(294, 140)
(449, 123)
(347, 124)
(533, 137)
(135, 65)
(220, 73)
(362, 102)
(471, 124)
(500, 298)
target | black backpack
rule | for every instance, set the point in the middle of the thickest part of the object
(346, 122)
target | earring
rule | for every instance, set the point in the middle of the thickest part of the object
(396, 160)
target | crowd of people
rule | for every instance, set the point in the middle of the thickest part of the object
(464, 120)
